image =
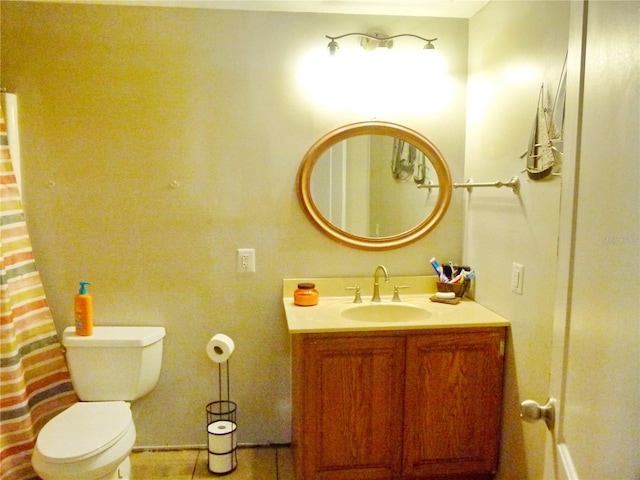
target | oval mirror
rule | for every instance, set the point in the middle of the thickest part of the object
(374, 185)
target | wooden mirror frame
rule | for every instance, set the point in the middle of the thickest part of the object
(303, 185)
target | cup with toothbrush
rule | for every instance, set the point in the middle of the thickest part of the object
(452, 278)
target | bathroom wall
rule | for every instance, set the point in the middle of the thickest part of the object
(155, 142)
(514, 48)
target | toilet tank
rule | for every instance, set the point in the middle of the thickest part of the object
(115, 363)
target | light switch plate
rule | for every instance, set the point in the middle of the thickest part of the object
(517, 278)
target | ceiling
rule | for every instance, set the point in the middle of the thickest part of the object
(419, 8)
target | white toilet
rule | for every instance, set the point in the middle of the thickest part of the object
(92, 439)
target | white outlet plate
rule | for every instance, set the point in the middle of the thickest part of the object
(517, 278)
(246, 260)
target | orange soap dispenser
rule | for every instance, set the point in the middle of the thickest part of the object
(84, 311)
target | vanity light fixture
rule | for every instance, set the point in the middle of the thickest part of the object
(373, 40)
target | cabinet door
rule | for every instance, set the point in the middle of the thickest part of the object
(453, 403)
(352, 408)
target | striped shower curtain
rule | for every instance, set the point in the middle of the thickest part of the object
(34, 380)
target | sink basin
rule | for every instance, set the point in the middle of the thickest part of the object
(385, 312)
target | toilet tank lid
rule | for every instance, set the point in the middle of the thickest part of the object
(120, 336)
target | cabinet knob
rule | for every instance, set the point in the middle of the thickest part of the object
(531, 411)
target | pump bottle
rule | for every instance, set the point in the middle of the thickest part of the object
(84, 311)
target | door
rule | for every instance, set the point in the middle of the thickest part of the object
(453, 395)
(595, 346)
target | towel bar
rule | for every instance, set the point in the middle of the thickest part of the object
(513, 184)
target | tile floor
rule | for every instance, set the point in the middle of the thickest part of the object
(259, 463)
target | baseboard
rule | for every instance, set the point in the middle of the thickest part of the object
(173, 448)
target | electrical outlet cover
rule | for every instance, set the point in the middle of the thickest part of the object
(246, 260)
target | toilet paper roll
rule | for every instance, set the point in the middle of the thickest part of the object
(223, 463)
(222, 436)
(220, 348)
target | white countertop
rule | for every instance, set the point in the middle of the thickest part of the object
(327, 317)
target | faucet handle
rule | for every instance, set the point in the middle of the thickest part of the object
(396, 292)
(358, 298)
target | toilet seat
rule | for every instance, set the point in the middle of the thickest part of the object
(88, 428)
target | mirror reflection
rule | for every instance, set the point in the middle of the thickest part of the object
(359, 185)
(367, 185)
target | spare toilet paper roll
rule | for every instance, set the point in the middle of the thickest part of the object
(222, 436)
(220, 348)
(223, 463)
(222, 446)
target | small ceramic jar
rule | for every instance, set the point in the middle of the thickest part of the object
(306, 295)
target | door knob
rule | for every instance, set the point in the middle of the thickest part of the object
(531, 411)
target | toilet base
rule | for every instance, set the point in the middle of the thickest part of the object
(123, 472)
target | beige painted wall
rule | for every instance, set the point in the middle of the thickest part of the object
(117, 103)
(514, 47)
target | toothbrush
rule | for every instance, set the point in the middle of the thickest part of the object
(459, 278)
(443, 277)
(454, 271)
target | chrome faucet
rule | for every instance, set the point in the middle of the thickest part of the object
(376, 285)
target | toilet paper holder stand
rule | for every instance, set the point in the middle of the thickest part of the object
(222, 427)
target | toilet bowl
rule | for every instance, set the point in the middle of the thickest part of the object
(92, 439)
(88, 441)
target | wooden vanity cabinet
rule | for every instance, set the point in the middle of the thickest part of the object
(397, 405)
